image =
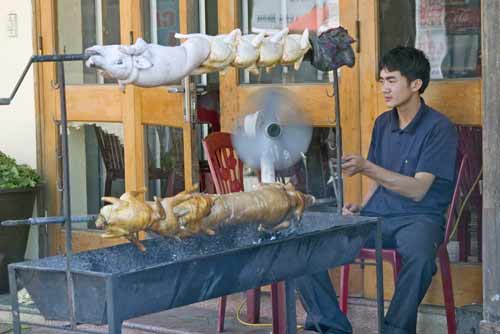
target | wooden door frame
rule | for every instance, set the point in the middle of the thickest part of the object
(102, 103)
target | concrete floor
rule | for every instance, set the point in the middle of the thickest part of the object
(201, 318)
(198, 318)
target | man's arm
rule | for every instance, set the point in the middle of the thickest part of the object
(354, 209)
(371, 190)
(413, 188)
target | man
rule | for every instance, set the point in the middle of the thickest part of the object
(411, 163)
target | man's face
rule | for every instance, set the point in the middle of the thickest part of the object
(396, 88)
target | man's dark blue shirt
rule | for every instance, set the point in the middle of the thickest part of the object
(427, 144)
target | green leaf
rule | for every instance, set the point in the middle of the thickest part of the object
(13, 175)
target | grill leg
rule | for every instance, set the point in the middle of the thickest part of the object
(278, 307)
(16, 321)
(114, 321)
(291, 312)
(380, 277)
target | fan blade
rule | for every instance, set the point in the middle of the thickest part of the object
(273, 129)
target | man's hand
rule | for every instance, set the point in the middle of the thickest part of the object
(353, 164)
(351, 209)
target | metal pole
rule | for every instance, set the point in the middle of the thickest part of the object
(48, 220)
(380, 277)
(14, 302)
(66, 195)
(291, 312)
(114, 320)
(338, 144)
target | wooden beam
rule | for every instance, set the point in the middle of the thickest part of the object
(491, 164)
(88, 240)
(49, 104)
(93, 103)
(350, 103)
(160, 107)
(43, 237)
(367, 61)
(187, 24)
(228, 20)
(133, 140)
(131, 104)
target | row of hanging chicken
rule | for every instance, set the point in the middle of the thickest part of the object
(149, 65)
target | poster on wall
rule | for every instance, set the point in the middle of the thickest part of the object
(431, 33)
(463, 25)
(316, 15)
(167, 14)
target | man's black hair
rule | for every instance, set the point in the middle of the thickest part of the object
(410, 62)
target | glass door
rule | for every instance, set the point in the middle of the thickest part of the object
(311, 88)
(119, 141)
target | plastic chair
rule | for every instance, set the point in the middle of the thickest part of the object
(470, 139)
(208, 116)
(462, 187)
(227, 173)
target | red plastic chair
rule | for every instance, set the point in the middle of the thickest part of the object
(462, 187)
(227, 174)
(210, 117)
(470, 143)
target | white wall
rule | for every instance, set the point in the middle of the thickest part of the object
(17, 121)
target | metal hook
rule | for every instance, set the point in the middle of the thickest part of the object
(54, 84)
(330, 95)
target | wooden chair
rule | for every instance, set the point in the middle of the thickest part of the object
(462, 187)
(227, 173)
(112, 154)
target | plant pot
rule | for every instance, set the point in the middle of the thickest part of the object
(14, 204)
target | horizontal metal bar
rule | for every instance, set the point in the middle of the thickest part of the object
(41, 59)
(61, 328)
(48, 220)
(58, 58)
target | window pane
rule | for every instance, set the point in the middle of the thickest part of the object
(161, 21)
(316, 15)
(165, 161)
(82, 24)
(96, 166)
(110, 22)
(448, 31)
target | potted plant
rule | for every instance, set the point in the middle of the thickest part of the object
(18, 187)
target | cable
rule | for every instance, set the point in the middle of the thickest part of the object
(462, 207)
(244, 323)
